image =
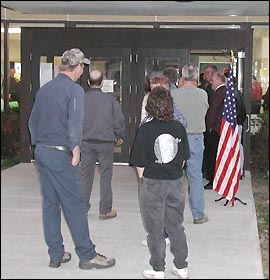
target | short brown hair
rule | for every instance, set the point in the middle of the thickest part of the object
(160, 104)
(171, 73)
(162, 80)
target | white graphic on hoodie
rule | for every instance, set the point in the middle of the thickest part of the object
(165, 148)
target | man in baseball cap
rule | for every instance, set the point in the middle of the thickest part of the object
(74, 57)
(56, 125)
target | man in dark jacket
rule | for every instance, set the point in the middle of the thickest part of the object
(55, 124)
(213, 121)
(103, 129)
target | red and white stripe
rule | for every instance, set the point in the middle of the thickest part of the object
(227, 169)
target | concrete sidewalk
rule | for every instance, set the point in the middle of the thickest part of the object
(227, 247)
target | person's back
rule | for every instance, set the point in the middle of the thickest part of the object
(103, 128)
(159, 153)
(172, 74)
(183, 98)
(103, 117)
(55, 126)
(52, 124)
(193, 103)
(164, 81)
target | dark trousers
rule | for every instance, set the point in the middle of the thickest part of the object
(61, 188)
(213, 140)
(90, 154)
(162, 204)
(205, 163)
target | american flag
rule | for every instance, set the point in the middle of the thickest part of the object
(227, 169)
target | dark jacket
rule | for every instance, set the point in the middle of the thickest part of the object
(57, 115)
(215, 110)
(240, 107)
(103, 118)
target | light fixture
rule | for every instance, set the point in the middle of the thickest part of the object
(12, 30)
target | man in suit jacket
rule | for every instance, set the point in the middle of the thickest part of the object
(213, 121)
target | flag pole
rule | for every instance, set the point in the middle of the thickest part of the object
(232, 56)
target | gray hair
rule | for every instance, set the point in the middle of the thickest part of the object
(190, 72)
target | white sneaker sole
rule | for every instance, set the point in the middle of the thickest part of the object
(152, 276)
(174, 272)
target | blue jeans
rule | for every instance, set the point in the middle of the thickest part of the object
(162, 204)
(61, 188)
(194, 174)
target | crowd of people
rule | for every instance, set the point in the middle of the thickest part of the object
(73, 130)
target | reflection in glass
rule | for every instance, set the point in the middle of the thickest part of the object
(45, 72)
(154, 66)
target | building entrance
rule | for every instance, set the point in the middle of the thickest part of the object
(126, 56)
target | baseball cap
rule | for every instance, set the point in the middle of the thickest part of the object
(74, 57)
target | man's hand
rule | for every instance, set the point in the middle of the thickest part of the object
(76, 156)
(119, 142)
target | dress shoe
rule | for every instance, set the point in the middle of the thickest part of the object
(66, 258)
(208, 186)
(109, 215)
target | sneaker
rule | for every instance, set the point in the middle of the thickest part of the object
(99, 262)
(109, 215)
(182, 273)
(167, 240)
(66, 258)
(203, 219)
(152, 274)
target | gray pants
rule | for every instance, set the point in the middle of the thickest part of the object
(162, 204)
(90, 154)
